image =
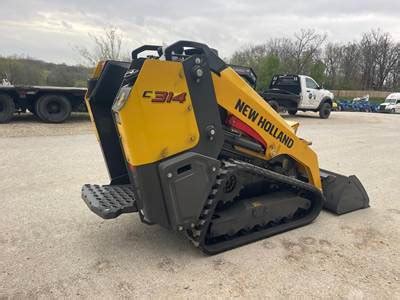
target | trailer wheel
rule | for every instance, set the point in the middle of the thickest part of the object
(274, 105)
(292, 112)
(33, 110)
(53, 108)
(7, 108)
(325, 110)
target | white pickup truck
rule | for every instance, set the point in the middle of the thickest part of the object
(391, 104)
(298, 92)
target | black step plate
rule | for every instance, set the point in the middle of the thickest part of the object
(109, 201)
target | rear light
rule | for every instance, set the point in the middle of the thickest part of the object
(121, 98)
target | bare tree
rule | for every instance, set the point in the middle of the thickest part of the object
(280, 47)
(394, 75)
(387, 56)
(249, 55)
(106, 46)
(349, 76)
(306, 47)
(379, 57)
(332, 58)
(373, 62)
(368, 51)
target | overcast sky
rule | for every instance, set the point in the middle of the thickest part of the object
(50, 29)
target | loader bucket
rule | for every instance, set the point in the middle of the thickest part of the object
(343, 194)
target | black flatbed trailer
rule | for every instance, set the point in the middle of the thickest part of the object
(50, 104)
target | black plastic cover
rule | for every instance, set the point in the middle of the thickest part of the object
(186, 182)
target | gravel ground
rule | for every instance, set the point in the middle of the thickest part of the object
(52, 246)
(29, 125)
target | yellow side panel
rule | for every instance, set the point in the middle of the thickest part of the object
(231, 90)
(294, 125)
(149, 130)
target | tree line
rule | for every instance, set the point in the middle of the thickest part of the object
(28, 71)
(371, 63)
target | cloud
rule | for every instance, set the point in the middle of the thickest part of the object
(50, 30)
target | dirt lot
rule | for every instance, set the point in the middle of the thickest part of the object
(52, 246)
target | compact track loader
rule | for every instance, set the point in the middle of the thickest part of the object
(191, 146)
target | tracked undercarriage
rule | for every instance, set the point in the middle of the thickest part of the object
(248, 203)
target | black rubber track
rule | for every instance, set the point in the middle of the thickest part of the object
(316, 199)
